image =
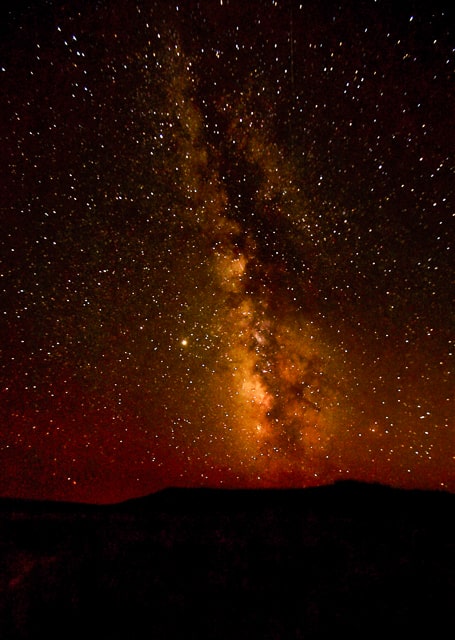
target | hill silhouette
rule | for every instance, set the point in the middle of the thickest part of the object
(350, 558)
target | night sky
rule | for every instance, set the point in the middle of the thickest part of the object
(226, 245)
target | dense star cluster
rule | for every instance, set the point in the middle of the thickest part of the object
(226, 246)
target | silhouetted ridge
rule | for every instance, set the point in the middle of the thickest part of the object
(345, 494)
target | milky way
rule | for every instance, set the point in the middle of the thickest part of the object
(226, 246)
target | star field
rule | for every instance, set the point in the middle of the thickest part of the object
(226, 246)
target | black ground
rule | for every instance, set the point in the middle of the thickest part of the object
(351, 559)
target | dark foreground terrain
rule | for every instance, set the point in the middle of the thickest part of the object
(361, 560)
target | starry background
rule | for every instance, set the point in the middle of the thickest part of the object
(226, 245)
